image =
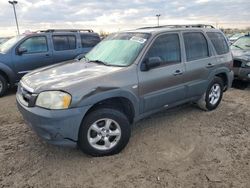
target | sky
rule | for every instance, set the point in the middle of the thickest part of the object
(112, 16)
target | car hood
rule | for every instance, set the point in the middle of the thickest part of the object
(66, 75)
(241, 54)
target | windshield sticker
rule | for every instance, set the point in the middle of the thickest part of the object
(138, 39)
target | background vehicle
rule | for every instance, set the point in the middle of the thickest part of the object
(241, 53)
(4, 39)
(27, 52)
(235, 37)
(125, 78)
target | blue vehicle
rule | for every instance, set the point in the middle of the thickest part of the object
(26, 52)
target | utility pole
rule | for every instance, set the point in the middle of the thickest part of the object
(158, 19)
(13, 3)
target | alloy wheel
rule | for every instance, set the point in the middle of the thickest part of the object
(104, 134)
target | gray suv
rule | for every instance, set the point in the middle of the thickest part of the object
(126, 77)
(30, 51)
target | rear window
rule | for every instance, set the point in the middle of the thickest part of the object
(64, 42)
(219, 42)
(196, 46)
(89, 41)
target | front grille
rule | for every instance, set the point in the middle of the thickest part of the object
(26, 97)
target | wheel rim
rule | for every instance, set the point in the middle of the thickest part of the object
(214, 94)
(1, 86)
(104, 134)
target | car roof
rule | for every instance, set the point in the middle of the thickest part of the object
(171, 28)
(61, 32)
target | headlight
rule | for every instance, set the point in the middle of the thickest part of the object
(54, 100)
(248, 64)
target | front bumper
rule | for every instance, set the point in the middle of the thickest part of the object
(58, 127)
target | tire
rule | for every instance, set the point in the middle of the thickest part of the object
(117, 123)
(3, 86)
(212, 98)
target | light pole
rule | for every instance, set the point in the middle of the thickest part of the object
(13, 3)
(158, 19)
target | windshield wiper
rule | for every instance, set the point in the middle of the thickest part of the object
(99, 62)
(237, 46)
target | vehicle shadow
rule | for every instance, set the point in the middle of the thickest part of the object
(238, 84)
(11, 91)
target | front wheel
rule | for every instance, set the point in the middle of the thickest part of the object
(212, 98)
(104, 131)
(3, 86)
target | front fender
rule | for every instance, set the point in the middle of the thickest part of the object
(100, 94)
(9, 72)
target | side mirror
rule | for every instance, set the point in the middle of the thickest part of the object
(151, 63)
(21, 50)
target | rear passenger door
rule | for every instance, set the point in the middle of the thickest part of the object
(164, 85)
(65, 47)
(199, 62)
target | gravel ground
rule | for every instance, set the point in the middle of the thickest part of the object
(183, 147)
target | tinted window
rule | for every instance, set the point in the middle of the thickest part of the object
(196, 46)
(89, 41)
(167, 47)
(64, 42)
(35, 45)
(219, 42)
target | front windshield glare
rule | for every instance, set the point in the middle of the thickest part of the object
(9, 43)
(119, 49)
(242, 43)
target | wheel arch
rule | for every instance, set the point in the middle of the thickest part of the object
(224, 74)
(7, 73)
(123, 100)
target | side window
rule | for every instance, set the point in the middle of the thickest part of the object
(196, 46)
(62, 42)
(167, 47)
(219, 42)
(35, 45)
(89, 41)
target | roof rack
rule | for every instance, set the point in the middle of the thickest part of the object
(65, 30)
(181, 26)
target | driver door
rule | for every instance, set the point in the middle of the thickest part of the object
(162, 86)
(31, 54)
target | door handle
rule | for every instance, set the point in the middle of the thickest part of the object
(178, 72)
(47, 55)
(210, 65)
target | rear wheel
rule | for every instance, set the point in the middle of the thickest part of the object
(212, 98)
(3, 86)
(104, 131)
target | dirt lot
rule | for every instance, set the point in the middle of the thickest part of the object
(183, 147)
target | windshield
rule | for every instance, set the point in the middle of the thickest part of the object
(119, 49)
(9, 43)
(242, 43)
(237, 35)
